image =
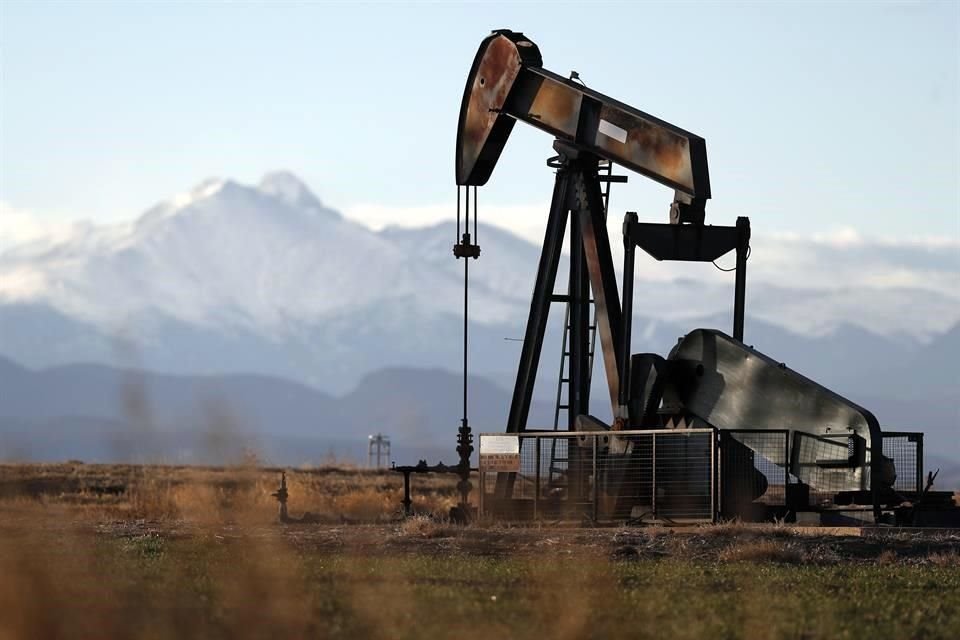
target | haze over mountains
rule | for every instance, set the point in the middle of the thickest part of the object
(317, 330)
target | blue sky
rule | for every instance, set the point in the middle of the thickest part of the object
(818, 117)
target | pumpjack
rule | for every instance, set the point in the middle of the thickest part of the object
(709, 379)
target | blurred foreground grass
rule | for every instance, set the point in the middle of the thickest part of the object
(214, 564)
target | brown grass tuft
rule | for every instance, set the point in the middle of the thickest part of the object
(424, 527)
(152, 498)
(761, 551)
(738, 529)
(945, 559)
(368, 505)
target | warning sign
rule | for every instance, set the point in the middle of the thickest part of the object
(500, 462)
(499, 453)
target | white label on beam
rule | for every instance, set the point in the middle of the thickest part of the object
(612, 131)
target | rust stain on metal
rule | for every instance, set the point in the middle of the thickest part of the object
(495, 76)
(649, 146)
(557, 106)
(666, 152)
(608, 346)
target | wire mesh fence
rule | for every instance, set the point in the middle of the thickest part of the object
(829, 465)
(664, 475)
(754, 468)
(906, 451)
(684, 475)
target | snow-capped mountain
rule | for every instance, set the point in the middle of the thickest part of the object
(266, 259)
(267, 279)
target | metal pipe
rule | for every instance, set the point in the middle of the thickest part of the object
(464, 437)
(407, 502)
(740, 293)
(579, 291)
(466, 299)
(629, 259)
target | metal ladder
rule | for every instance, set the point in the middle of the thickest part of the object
(556, 472)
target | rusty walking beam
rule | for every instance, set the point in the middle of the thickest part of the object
(508, 83)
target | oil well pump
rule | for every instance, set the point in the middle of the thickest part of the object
(769, 430)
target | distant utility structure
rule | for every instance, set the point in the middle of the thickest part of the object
(378, 451)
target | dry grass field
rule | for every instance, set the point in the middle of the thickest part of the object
(97, 551)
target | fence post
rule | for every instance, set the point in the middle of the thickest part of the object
(595, 479)
(483, 485)
(536, 479)
(786, 464)
(715, 475)
(920, 484)
(653, 475)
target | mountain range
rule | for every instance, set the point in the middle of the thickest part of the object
(260, 287)
(100, 413)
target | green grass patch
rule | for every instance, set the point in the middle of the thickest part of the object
(244, 589)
